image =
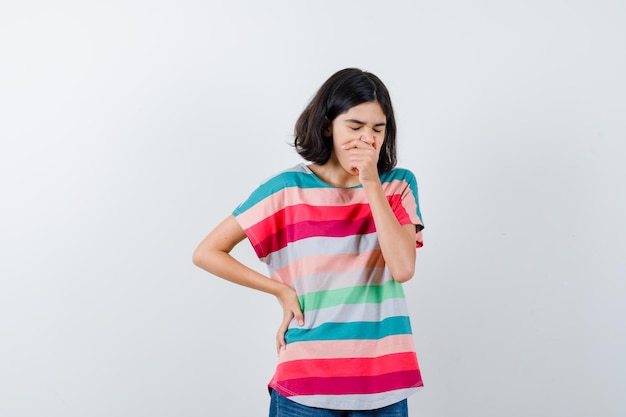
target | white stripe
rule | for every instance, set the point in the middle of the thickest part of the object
(342, 279)
(321, 246)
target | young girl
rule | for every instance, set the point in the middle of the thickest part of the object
(339, 236)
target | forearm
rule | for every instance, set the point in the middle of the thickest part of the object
(224, 265)
(213, 255)
(397, 242)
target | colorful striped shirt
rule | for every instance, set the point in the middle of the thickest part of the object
(355, 350)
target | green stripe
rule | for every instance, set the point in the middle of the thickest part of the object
(360, 330)
(351, 295)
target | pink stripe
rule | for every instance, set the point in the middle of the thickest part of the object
(329, 263)
(294, 195)
(347, 367)
(316, 197)
(323, 197)
(346, 348)
(410, 205)
(349, 385)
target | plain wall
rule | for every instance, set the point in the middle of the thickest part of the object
(130, 128)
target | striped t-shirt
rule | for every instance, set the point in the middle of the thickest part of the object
(355, 350)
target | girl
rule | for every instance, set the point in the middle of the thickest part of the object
(339, 236)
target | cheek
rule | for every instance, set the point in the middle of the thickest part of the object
(342, 155)
(339, 141)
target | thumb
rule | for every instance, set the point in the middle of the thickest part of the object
(280, 334)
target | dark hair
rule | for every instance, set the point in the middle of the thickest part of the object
(342, 91)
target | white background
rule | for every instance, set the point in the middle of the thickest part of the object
(130, 128)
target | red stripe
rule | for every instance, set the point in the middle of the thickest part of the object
(395, 201)
(302, 221)
(343, 367)
(350, 385)
(300, 213)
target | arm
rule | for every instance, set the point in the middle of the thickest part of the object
(397, 242)
(213, 255)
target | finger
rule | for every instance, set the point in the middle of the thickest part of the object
(282, 330)
(280, 342)
(378, 141)
(299, 317)
(360, 146)
(355, 143)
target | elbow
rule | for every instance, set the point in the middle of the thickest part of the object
(201, 259)
(402, 278)
(208, 259)
(403, 275)
(196, 258)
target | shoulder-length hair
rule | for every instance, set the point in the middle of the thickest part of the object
(342, 91)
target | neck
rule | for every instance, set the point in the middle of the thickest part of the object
(333, 174)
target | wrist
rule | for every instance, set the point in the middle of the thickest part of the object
(372, 185)
(283, 291)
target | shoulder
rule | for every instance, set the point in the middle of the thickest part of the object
(398, 174)
(294, 176)
(297, 176)
(399, 181)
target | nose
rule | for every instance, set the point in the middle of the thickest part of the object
(368, 137)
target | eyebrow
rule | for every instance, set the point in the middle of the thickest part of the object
(362, 123)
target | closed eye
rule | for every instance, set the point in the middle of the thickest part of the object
(359, 128)
(358, 124)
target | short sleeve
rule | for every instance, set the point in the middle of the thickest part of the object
(260, 216)
(405, 202)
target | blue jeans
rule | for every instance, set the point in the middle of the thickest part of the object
(281, 406)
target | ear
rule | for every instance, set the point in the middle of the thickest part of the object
(327, 128)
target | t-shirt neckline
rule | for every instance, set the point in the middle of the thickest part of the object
(318, 179)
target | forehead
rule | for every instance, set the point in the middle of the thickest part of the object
(369, 112)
